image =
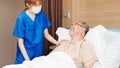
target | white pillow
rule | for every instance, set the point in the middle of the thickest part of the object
(96, 37)
(112, 53)
(63, 34)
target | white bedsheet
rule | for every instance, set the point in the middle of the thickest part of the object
(53, 60)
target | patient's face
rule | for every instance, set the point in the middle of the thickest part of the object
(76, 28)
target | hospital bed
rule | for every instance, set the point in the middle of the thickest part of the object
(105, 41)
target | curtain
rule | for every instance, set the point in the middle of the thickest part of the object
(53, 10)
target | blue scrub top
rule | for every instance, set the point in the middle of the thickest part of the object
(32, 32)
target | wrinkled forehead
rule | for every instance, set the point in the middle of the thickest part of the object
(78, 23)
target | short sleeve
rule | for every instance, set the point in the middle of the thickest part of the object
(19, 28)
(88, 53)
(46, 22)
(61, 47)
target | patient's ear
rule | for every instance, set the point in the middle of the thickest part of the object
(84, 29)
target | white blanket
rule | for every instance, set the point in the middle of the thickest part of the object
(53, 60)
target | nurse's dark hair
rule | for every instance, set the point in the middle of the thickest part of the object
(86, 26)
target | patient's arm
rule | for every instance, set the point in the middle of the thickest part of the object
(90, 64)
(89, 56)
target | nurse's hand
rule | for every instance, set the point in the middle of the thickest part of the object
(27, 58)
(59, 42)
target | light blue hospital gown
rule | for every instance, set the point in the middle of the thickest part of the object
(32, 32)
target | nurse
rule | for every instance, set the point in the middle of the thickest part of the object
(30, 29)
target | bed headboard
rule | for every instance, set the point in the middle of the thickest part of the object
(115, 30)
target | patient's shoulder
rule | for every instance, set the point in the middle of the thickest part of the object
(87, 44)
(62, 46)
(64, 42)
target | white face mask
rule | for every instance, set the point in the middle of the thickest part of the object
(36, 9)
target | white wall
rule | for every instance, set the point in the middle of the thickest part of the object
(9, 10)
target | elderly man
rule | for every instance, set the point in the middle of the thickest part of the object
(80, 50)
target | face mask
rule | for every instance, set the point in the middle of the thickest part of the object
(36, 9)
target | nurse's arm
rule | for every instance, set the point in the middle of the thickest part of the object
(49, 37)
(22, 48)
